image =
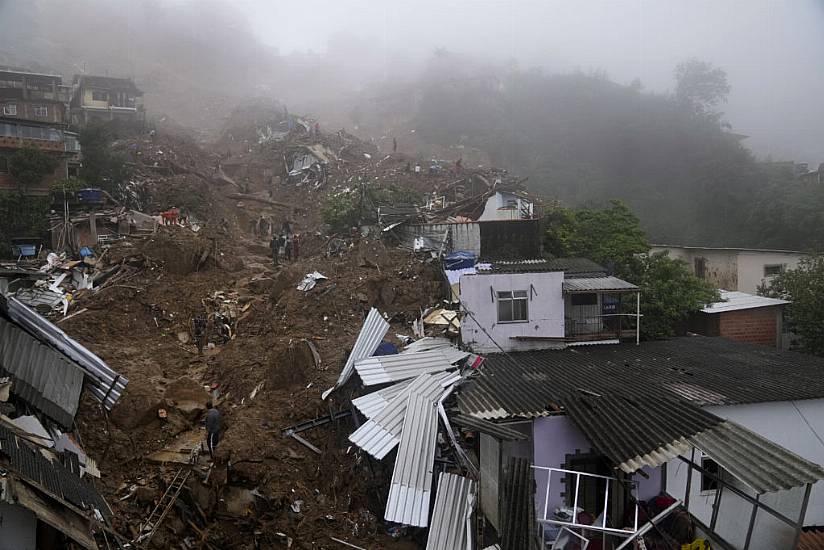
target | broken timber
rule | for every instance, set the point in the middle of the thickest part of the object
(314, 423)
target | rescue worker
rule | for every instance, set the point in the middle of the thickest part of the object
(199, 330)
(274, 246)
(212, 428)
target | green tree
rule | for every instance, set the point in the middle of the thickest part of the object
(610, 236)
(669, 293)
(700, 86)
(804, 287)
(613, 237)
(28, 166)
(103, 167)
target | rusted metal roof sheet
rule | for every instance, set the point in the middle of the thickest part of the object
(451, 527)
(372, 332)
(758, 462)
(411, 487)
(42, 376)
(597, 284)
(381, 434)
(394, 368)
(102, 381)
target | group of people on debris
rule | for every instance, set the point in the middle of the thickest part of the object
(286, 245)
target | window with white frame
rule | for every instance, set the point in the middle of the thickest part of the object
(10, 109)
(41, 111)
(513, 306)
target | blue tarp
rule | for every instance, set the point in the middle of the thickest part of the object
(460, 259)
(386, 348)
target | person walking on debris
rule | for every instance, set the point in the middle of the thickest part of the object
(212, 428)
(289, 242)
(199, 329)
(296, 246)
(274, 245)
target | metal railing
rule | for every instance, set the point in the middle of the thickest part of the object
(608, 483)
(597, 327)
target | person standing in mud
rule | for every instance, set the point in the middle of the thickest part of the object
(212, 428)
(274, 246)
(199, 326)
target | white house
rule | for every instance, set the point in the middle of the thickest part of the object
(505, 205)
(743, 269)
(541, 304)
(729, 430)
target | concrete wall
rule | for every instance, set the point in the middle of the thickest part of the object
(18, 528)
(732, 269)
(751, 267)
(794, 426)
(545, 311)
(720, 265)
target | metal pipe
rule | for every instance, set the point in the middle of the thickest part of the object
(716, 504)
(575, 503)
(752, 524)
(649, 525)
(801, 514)
(638, 318)
(689, 482)
(606, 504)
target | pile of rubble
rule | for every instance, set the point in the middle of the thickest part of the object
(272, 337)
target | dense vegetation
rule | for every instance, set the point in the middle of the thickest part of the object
(586, 140)
(804, 287)
(613, 237)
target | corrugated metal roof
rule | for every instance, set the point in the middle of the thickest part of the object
(105, 384)
(393, 368)
(372, 332)
(497, 431)
(603, 284)
(381, 434)
(570, 266)
(734, 301)
(702, 370)
(631, 414)
(451, 527)
(58, 477)
(43, 377)
(634, 432)
(371, 404)
(758, 462)
(427, 343)
(519, 529)
(411, 487)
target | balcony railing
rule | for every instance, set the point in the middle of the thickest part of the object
(610, 326)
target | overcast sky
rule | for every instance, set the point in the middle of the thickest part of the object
(773, 51)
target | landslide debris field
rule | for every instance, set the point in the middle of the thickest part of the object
(271, 350)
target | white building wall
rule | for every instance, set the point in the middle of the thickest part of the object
(751, 267)
(495, 208)
(545, 310)
(797, 426)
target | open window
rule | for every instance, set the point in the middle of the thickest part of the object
(708, 483)
(513, 306)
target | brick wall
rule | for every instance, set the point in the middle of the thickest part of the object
(755, 326)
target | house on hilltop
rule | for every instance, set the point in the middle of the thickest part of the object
(105, 98)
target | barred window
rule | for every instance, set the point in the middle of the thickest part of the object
(513, 306)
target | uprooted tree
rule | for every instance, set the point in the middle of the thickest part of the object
(804, 288)
(613, 237)
(356, 206)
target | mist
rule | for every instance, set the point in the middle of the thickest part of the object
(317, 52)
